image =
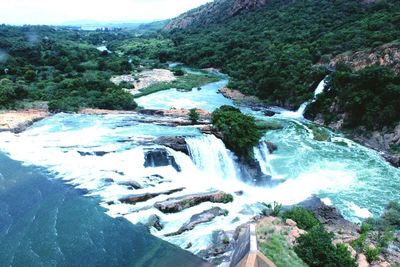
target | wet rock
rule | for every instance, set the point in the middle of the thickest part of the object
(152, 112)
(133, 199)
(132, 184)
(177, 204)
(220, 249)
(269, 113)
(154, 221)
(159, 157)
(239, 193)
(203, 217)
(189, 245)
(250, 169)
(109, 180)
(209, 129)
(332, 219)
(271, 147)
(93, 153)
(177, 143)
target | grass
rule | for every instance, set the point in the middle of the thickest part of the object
(277, 249)
(186, 82)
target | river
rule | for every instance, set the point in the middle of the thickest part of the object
(99, 154)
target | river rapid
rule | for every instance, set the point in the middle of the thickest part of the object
(99, 154)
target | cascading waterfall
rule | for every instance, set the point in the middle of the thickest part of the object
(300, 112)
(211, 156)
(261, 154)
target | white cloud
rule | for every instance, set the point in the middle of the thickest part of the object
(59, 11)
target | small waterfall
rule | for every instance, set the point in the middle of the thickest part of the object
(261, 153)
(320, 88)
(210, 155)
(299, 113)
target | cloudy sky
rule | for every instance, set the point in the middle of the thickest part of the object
(61, 11)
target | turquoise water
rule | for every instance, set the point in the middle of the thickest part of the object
(47, 223)
(206, 98)
(353, 178)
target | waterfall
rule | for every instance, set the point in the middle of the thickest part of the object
(300, 112)
(262, 155)
(210, 155)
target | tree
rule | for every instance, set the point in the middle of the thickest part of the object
(194, 115)
(316, 249)
(240, 132)
(7, 93)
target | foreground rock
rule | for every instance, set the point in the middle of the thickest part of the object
(178, 204)
(133, 199)
(154, 221)
(203, 217)
(20, 120)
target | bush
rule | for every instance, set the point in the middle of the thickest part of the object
(316, 249)
(7, 93)
(240, 132)
(118, 99)
(371, 253)
(194, 115)
(305, 219)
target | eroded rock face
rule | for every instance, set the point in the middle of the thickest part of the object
(159, 157)
(203, 217)
(178, 204)
(385, 55)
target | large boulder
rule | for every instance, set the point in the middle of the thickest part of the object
(133, 199)
(203, 217)
(177, 143)
(172, 205)
(159, 157)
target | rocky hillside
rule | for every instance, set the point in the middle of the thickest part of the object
(214, 12)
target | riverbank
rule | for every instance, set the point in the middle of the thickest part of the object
(19, 120)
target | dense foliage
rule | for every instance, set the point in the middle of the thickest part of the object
(369, 97)
(240, 132)
(64, 66)
(316, 249)
(305, 219)
(272, 52)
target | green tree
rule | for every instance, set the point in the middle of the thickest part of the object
(7, 93)
(240, 132)
(194, 116)
(316, 249)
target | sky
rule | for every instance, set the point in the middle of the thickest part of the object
(61, 11)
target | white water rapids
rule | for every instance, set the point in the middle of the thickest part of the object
(102, 153)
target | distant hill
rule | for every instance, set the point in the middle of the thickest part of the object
(214, 12)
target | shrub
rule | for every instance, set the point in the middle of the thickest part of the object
(305, 219)
(316, 249)
(240, 132)
(7, 93)
(227, 198)
(194, 115)
(118, 99)
(371, 253)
